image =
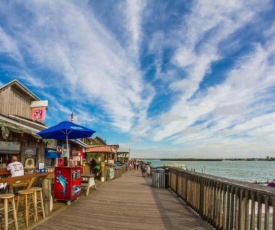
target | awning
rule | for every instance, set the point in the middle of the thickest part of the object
(51, 153)
(8, 125)
(100, 149)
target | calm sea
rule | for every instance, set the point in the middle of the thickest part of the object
(249, 171)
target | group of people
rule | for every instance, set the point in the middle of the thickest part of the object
(133, 165)
(15, 168)
(144, 167)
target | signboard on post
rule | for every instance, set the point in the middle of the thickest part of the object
(38, 110)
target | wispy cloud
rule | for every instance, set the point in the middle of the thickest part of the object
(244, 98)
(88, 57)
(205, 69)
(133, 13)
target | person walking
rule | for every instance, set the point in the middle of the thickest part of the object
(142, 167)
(147, 169)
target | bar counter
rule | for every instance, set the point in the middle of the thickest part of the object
(28, 180)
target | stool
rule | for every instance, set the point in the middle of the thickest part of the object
(39, 200)
(9, 197)
(28, 196)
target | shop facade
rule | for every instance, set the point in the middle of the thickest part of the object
(21, 116)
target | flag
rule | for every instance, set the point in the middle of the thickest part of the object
(72, 117)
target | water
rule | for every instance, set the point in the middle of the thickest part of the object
(249, 171)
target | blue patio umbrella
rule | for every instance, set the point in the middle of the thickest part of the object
(66, 130)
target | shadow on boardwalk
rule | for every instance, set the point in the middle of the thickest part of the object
(128, 202)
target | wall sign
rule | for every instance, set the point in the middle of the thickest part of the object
(10, 146)
(30, 152)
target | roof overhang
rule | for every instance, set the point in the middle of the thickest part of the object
(82, 144)
(100, 149)
(15, 83)
(123, 150)
(7, 124)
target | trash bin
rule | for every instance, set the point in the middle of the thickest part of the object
(160, 170)
(166, 178)
(158, 178)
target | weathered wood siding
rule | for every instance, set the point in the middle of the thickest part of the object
(15, 102)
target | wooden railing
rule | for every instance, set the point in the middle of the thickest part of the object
(225, 203)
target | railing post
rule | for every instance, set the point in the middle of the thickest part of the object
(259, 218)
(220, 205)
(212, 202)
(201, 196)
(208, 200)
(273, 217)
(246, 218)
(266, 223)
(206, 195)
(237, 199)
(176, 188)
(240, 214)
(186, 188)
(226, 206)
(252, 219)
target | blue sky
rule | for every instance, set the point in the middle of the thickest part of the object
(164, 78)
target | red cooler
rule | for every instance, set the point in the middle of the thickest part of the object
(67, 183)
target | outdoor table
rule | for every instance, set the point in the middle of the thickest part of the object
(88, 181)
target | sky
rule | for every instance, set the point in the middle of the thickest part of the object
(167, 79)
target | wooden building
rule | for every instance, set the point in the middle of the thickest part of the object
(123, 155)
(22, 115)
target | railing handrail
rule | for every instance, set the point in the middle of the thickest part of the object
(225, 203)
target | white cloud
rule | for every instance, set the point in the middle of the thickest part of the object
(236, 102)
(9, 45)
(74, 45)
(89, 66)
(133, 13)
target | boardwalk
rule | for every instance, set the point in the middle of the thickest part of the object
(128, 202)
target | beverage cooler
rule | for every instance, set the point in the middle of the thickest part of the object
(67, 183)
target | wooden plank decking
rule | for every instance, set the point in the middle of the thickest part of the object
(127, 202)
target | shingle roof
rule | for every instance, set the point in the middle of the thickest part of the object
(100, 149)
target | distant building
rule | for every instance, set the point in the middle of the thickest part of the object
(123, 155)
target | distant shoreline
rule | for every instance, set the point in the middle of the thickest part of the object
(211, 159)
(187, 159)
